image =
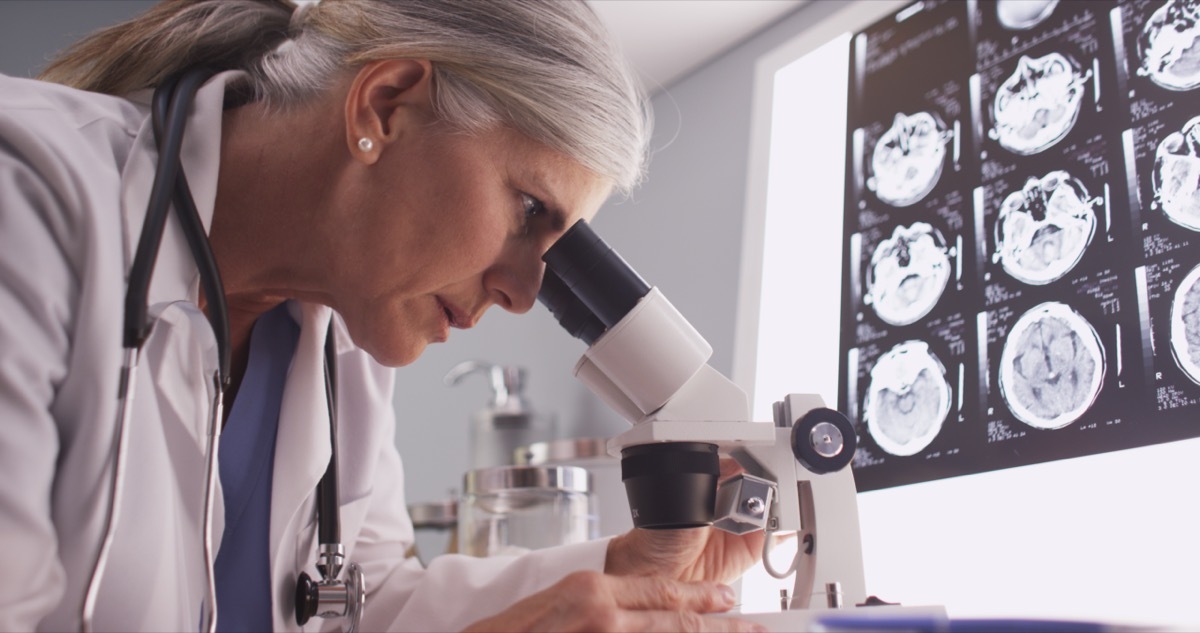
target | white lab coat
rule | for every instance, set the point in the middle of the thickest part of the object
(75, 175)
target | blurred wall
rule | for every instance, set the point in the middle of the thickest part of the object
(31, 31)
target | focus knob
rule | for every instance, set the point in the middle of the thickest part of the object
(824, 441)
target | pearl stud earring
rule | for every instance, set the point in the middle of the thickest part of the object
(365, 144)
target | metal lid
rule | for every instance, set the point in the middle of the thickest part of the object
(434, 514)
(509, 478)
(563, 450)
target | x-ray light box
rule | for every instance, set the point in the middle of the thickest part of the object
(1093, 528)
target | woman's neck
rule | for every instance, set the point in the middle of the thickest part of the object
(267, 233)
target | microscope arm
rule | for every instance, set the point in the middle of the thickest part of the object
(651, 366)
(652, 369)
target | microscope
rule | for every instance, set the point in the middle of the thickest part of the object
(651, 366)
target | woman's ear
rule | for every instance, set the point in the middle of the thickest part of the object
(386, 98)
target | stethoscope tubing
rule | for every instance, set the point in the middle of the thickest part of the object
(193, 226)
(171, 103)
(169, 112)
(126, 389)
(329, 529)
(218, 313)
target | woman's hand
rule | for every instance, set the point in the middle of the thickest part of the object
(696, 554)
(591, 601)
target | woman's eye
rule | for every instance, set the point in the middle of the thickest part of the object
(532, 206)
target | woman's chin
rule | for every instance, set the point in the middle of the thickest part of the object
(398, 355)
(391, 348)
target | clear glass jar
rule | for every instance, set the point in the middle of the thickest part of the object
(514, 509)
(608, 491)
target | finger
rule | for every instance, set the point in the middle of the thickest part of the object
(685, 621)
(778, 538)
(655, 593)
(730, 467)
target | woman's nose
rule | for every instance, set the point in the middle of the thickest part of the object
(514, 284)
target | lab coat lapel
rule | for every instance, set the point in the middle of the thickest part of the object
(175, 276)
(302, 445)
(172, 407)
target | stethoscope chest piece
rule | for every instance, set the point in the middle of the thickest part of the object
(332, 598)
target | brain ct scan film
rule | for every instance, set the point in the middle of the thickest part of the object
(908, 273)
(1038, 104)
(908, 158)
(1169, 45)
(908, 399)
(1044, 229)
(1052, 367)
(1177, 175)
(1021, 268)
(1185, 325)
(1023, 14)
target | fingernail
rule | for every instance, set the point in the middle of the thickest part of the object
(728, 596)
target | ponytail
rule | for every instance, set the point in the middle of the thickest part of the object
(546, 68)
(169, 38)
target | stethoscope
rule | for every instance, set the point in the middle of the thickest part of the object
(328, 597)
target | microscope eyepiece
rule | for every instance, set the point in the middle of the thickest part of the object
(595, 273)
(568, 310)
(589, 289)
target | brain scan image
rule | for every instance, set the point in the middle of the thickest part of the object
(1052, 366)
(1176, 176)
(908, 273)
(1169, 45)
(908, 158)
(1185, 325)
(1038, 104)
(1043, 230)
(908, 400)
(1023, 14)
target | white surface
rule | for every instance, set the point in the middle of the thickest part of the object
(666, 39)
(826, 619)
(1110, 537)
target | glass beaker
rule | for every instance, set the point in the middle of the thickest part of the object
(513, 509)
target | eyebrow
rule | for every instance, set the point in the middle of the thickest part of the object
(558, 215)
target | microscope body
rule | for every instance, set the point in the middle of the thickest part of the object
(651, 367)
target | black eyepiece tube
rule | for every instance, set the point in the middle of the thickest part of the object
(568, 310)
(596, 274)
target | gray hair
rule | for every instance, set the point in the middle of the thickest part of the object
(545, 68)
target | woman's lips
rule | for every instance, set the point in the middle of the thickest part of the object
(445, 322)
(453, 317)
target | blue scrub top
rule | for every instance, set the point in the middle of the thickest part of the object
(246, 460)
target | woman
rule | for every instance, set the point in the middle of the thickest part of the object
(394, 169)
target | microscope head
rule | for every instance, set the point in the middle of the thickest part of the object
(641, 354)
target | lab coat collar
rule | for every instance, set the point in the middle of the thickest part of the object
(175, 274)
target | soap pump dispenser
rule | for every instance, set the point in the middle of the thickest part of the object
(508, 422)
